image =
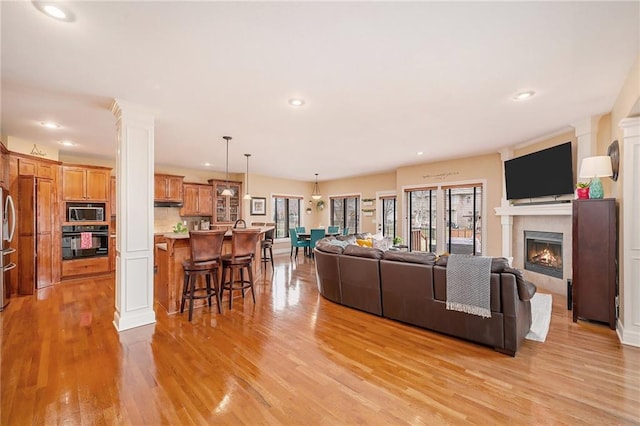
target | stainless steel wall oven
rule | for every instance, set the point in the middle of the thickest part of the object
(82, 241)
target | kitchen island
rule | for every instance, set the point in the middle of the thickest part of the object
(171, 250)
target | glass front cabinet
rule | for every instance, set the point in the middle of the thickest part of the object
(228, 209)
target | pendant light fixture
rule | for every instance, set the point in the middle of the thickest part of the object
(246, 195)
(316, 190)
(227, 192)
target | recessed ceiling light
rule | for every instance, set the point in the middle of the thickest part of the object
(420, 152)
(524, 95)
(296, 102)
(50, 125)
(67, 143)
(207, 164)
(54, 10)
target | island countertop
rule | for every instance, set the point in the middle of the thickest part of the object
(172, 252)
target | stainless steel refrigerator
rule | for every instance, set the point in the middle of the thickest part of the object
(8, 228)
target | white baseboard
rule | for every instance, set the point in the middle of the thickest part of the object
(628, 336)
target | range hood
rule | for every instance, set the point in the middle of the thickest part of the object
(167, 204)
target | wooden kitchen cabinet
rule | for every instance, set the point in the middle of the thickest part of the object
(82, 183)
(198, 200)
(594, 260)
(227, 209)
(168, 188)
(112, 195)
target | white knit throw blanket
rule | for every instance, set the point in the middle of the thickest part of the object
(469, 284)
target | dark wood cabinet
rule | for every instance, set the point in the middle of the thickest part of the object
(167, 188)
(594, 260)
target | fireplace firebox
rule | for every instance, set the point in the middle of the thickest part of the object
(543, 253)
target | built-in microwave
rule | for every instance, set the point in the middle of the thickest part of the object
(85, 212)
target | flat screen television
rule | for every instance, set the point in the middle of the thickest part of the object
(543, 173)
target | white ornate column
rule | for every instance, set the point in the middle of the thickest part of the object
(629, 320)
(587, 136)
(506, 220)
(134, 231)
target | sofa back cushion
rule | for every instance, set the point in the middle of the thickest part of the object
(410, 257)
(330, 246)
(368, 252)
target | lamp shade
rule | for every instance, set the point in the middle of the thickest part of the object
(599, 166)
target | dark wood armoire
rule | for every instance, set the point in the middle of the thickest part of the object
(594, 260)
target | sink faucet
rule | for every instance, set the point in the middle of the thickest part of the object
(240, 222)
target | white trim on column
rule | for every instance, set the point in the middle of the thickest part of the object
(134, 232)
(628, 327)
(587, 137)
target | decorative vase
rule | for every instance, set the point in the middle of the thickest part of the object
(583, 193)
(595, 189)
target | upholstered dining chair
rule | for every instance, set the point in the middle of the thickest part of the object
(316, 235)
(206, 249)
(333, 229)
(243, 250)
(345, 230)
(293, 235)
(300, 229)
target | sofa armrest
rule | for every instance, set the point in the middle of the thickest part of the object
(526, 289)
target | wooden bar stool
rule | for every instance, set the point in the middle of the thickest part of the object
(267, 246)
(206, 249)
(243, 250)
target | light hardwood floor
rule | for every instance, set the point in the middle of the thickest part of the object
(296, 358)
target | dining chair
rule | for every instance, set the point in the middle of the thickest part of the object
(293, 235)
(301, 229)
(333, 229)
(345, 231)
(316, 235)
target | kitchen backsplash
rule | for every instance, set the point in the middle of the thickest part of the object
(167, 217)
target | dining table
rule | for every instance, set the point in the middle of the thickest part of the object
(306, 236)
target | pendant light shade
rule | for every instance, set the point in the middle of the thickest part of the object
(246, 195)
(227, 192)
(316, 190)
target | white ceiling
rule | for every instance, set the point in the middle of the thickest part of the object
(381, 81)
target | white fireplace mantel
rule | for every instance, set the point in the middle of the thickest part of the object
(558, 209)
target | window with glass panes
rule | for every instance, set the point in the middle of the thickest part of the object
(344, 213)
(423, 223)
(389, 216)
(286, 214)
(463, 223)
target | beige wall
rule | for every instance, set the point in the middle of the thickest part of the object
(484, 168)
(361, 186)
(625, 106)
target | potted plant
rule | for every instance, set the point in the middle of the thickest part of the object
(397, 241)
(582, 190)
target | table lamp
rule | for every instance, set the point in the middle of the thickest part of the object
(595, 168)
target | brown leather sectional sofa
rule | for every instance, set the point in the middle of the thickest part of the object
(411, 287)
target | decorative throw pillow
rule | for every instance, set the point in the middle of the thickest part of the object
(364, 243)
(382, 243)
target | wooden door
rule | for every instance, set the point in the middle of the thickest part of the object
(45, 202)
(112, 195)
(97, 185)
(190, 197)
(73, 183)
(174, 189)
(26, 234)
(205, 200)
